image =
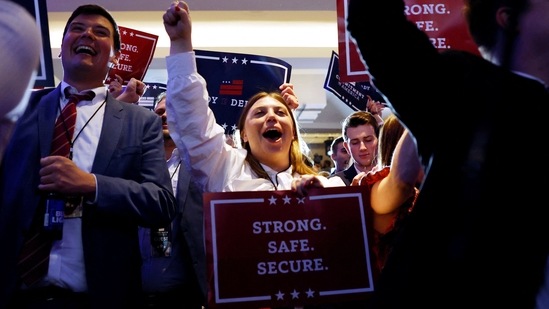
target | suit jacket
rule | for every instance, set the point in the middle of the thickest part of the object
(482, 198)
(185, 267)
(131, 177)
(189, 196)
(346, 175)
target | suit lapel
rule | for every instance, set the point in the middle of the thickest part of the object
(110, 134)
(350, 173)
(47, 114)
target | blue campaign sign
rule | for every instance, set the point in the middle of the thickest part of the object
(233, 78)
(354, 94)
(150, 97)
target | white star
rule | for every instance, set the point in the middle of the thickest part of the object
(125, 32)
(234, 127)
(310, 293)
(287, 199)
(132, 34)
(224, 126)
(225, 59)
(279, 295)
(244, 61)
(295, 294)
(272, 200)
(148, 86)
(155, 86)
(301, 200)
(235, 60)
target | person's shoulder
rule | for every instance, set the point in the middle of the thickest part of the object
(341, 175)
(131, 107)
(41, 92)
(337, 174)
(37, 95)
(143, 112)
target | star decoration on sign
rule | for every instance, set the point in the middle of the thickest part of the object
(295, 294)
(272, 200)
(301, 200)
(224, 126)
(235, 60)
(287, 199)
(234, 127)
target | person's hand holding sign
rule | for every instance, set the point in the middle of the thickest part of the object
(303, 184)
(131, 93)
(287, 92)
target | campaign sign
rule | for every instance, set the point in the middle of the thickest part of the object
(275, 248)
(137, 51)
(441, 20)
(233, 78)
(149, 99)
(354, 94)
(44, 74)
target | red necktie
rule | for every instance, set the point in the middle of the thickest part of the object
(64, 126)
(35, 255)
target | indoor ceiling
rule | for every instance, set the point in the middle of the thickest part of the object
(302, 33)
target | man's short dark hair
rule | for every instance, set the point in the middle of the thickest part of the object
(359, 118)
(94, 9)
(338, 140)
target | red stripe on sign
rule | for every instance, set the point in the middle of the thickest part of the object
(231, 92)
(233, 88)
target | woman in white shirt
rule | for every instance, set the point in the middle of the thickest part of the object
(270, 157)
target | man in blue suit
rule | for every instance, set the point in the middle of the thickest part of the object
(117, 170)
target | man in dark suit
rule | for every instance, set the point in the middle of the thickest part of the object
(465, 242)
(360, 132)
(116, 169)
(174, 257)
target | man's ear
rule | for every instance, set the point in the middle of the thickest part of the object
(507, 19)
(346, 146)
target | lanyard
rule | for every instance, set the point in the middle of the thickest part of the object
(71, 143)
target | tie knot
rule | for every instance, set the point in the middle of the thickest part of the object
(77, 97)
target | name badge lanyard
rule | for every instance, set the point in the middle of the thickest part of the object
(71, 143)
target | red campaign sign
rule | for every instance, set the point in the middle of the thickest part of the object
(276, 249)
(137, 51)
(441, 20)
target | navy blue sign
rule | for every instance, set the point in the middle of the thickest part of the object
(354, 94)
(233, 78)
(150, 96)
